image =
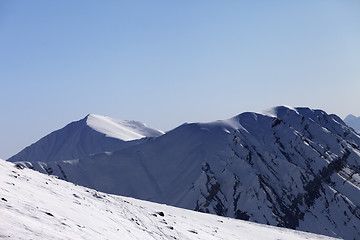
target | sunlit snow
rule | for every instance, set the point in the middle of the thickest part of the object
(121, 129)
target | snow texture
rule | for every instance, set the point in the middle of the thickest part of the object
(297, 168)
(37, 206)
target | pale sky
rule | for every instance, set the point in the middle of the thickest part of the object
(169, 62)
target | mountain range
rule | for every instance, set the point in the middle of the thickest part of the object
(297, 168)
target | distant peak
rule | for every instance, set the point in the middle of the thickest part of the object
(350, 117)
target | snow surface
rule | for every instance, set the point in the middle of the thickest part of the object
(38, 206)
(121, 129)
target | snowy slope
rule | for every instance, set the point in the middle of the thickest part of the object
(93, 134)
(353, 122)
(285, 167)
(37, 206)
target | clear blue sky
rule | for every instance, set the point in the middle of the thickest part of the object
(169, 62)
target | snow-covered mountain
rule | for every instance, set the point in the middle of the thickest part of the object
(37, 206)
(353, 122)
(93, 134)
(296, 168)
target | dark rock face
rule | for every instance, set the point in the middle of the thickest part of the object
(211, 194)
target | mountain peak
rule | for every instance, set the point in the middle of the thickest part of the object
(90, 135)
(350, 117)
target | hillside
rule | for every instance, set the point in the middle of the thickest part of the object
(37, 206)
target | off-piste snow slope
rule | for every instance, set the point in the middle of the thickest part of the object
(37, 206)
(296, 168)
(353, 122)
(91, 135)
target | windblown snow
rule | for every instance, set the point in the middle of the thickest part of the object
(121, 129)
(38, 206)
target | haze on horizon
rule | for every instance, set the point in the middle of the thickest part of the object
(165, 63)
